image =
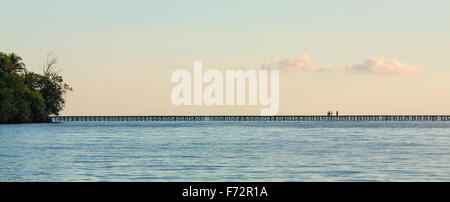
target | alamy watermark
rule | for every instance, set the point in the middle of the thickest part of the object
(214, 93)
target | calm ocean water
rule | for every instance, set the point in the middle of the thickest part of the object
(226, 151)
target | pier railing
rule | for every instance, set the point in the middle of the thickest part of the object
(256, 118)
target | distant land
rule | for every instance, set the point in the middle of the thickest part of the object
(28, 97)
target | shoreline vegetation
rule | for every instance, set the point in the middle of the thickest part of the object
(29, 97)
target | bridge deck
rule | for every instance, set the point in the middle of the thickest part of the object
(256, 118)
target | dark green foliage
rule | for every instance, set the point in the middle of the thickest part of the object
(7, 106)
(37, 107)
(27, 96)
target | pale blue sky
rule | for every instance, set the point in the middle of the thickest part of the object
(128, 36)
(232, 31)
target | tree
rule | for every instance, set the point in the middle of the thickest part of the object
(52, 87)
(7, 106)
(27, 96)
(11, 63)
(37, 106)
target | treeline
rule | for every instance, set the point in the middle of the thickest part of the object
(26, 96)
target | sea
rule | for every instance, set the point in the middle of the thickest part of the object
(278, 151)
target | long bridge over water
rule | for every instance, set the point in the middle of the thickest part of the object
(256, 118)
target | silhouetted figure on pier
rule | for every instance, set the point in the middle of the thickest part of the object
(337, 113)
(330, 113)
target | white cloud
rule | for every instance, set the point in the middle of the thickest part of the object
(301, 63)
(380, 66)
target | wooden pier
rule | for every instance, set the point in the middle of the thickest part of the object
(256, 118)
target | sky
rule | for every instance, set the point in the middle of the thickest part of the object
(358, 57)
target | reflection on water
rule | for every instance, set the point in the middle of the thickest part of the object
(225, 151)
